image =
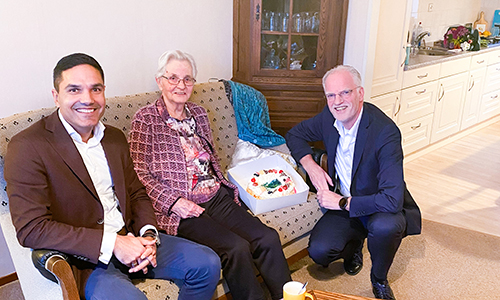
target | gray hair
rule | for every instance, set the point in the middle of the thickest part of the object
(170, 55)
(354, 74)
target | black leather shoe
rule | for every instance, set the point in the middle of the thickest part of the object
(382, 290)
(354, 265)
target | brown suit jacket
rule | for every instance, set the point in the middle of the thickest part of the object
(53, 202)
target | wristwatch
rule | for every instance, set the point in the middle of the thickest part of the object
(151, 233)
(343, 203)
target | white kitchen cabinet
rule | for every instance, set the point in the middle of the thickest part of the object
(492, 78)
(473, 96)
(455, 66)
(416, 134)
(494, 57)
(415, 115)
(390, 50)
(490, 102)
(417, 102)
(441, 99)
(490, 105)
(389, 103)
(479, 60)
(421, 75)
(449, 106)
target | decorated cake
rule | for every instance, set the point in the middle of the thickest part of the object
(270, 183)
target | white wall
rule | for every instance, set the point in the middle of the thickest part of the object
(445, 14)
(489, 7)
(125, 36)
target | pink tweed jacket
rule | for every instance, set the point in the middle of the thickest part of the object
(160, 161)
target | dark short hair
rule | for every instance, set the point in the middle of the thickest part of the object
(71, 61)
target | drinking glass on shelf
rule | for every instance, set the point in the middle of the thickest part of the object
(315, 22)
(279, 18)
(297, 23)
(265, 20)
(284, 22)
(273, 21)
(306, 23)
(272, 61)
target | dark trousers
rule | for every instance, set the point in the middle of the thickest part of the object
(242, 243)
(336, 235)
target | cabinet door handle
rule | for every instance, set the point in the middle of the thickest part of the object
(442, 93)
(399, 107)
(416, 126)
(479, 61)
(494, 97)
(421, 92)
(257, 12)
(406, 56)
(422, 76)
(472, 85)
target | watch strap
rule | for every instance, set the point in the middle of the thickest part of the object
(151, 233)
(343, 203)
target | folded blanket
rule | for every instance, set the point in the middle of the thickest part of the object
(252, 116)
(245, 152)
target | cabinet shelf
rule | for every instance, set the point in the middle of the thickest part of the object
(289, 33)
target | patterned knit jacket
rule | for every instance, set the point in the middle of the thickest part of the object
(160, 161)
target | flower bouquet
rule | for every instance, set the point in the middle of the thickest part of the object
(461, 37)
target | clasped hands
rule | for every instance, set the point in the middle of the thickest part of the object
(320, 179)
(135, 252)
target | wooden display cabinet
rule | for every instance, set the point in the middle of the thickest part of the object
(283, 48)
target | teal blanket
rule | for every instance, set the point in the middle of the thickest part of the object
(252, 116)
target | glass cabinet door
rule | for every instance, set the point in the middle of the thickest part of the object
(289, 34)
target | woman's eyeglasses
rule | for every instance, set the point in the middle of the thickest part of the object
(174, 80)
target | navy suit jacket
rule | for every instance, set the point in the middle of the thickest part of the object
(377, 172)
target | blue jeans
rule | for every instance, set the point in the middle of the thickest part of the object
(196, 266)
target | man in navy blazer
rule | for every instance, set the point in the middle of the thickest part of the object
(370, 199)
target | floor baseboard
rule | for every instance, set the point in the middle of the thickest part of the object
(8, 279)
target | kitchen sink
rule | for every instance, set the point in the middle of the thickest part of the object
(436, 52)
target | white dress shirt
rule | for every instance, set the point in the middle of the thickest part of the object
(96, 163)
(345, 154)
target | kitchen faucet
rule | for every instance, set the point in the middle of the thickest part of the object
(419, 38)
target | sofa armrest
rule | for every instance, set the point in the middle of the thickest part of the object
(54, 266)
(320, 157)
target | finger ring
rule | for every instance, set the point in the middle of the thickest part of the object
(134, 264)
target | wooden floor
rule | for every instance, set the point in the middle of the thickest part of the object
(459, 183)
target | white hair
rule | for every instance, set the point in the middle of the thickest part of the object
(170, 55)
(356, 77)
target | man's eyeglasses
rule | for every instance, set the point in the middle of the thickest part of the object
(174, 80)
(345, 94)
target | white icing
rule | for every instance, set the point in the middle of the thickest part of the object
(270, 183)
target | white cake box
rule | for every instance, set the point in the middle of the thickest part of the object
(241, 175)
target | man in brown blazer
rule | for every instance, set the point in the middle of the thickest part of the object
(72, 187)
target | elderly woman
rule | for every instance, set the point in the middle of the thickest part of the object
(173, 152)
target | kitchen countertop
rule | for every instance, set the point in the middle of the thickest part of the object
(418, 61)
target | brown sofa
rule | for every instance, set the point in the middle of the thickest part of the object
(292, 223)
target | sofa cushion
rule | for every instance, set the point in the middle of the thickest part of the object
(10, 126)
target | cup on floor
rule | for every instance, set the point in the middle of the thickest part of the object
(291, 291)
